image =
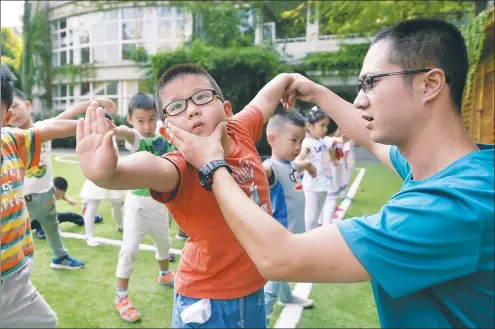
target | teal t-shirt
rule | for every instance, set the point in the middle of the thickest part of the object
(430, 249)
(156, 145)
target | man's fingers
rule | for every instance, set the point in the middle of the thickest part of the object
(80, 130)
(176, 133)
(107, 139)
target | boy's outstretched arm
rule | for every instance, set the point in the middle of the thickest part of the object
(53, 129)
(270, 95)
(79, 108)
(100, 162)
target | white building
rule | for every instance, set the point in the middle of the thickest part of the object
(106, 39)
(83, 33)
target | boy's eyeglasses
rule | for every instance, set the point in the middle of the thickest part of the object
(201, 97)
(367, 83)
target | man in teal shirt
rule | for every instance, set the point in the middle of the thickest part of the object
(429, 251)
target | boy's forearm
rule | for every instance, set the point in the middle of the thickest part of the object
(270, 95)
(55, 128)
(74, 111)
(126, 133)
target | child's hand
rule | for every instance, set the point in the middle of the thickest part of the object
(95, 152)
(309, 167)
(72, 202)
(107, 104)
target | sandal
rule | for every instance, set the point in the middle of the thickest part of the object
(126, 310)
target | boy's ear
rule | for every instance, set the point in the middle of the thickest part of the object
(129, 120)
(6, 119)
(227, 108)
(28, 105)
(308, 125)
(271, 139)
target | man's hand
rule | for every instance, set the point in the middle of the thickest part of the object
(197, 150)
(95, 152)
(301, 88)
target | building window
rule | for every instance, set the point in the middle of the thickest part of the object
(85, 55)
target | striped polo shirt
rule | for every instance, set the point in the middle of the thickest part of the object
(20, 151)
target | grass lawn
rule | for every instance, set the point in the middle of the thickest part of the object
(85, 298)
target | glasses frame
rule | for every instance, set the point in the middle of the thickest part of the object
(371, 78)
(166, 114)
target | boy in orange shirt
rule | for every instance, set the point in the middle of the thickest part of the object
(217, 284)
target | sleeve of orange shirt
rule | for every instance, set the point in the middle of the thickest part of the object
(250, 119)
(185, 179)
(28, 146)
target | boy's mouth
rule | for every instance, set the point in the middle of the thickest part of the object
(197, 125)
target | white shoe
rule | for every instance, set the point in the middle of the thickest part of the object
(92, 242)
(296, 300)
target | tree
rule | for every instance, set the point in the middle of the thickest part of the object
(36, 67)
(368, 17)
(11, 51)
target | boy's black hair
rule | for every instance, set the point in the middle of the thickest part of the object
(108, 116)
(178, 71)
(61, 183)
(19, 94)
(142, 101)
(283, 117)
(315, 114)
(429, 43)
(7, 80)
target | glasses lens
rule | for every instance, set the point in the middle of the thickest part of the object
(202, 97)
(176, 107)
(358, 86)
(367, 84)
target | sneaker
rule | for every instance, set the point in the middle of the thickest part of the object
(181, 235)
(171, 257)
(98, 219)
(40, 234)
(167, 279)
(126, 310)
(92, 242)
(66, 263)
(296, 300)
(119, 229)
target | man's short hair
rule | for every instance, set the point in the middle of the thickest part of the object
(283, 118)
(7, 80)
(429, 43)
(61, 183)
(142, 101)
(178, 71)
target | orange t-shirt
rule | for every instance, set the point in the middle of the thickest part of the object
(213, 263)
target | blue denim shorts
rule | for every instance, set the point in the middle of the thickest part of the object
(244, 312)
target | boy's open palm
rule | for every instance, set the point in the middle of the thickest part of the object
(95, 152)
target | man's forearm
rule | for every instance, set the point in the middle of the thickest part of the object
(256, 230)
(345, 115)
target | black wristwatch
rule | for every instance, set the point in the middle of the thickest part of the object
(206, 172)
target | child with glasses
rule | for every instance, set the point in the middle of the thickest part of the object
(216, 284)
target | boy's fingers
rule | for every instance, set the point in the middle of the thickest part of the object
(101, 121)
(87, 122)
(80, 130)
(94, 121)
